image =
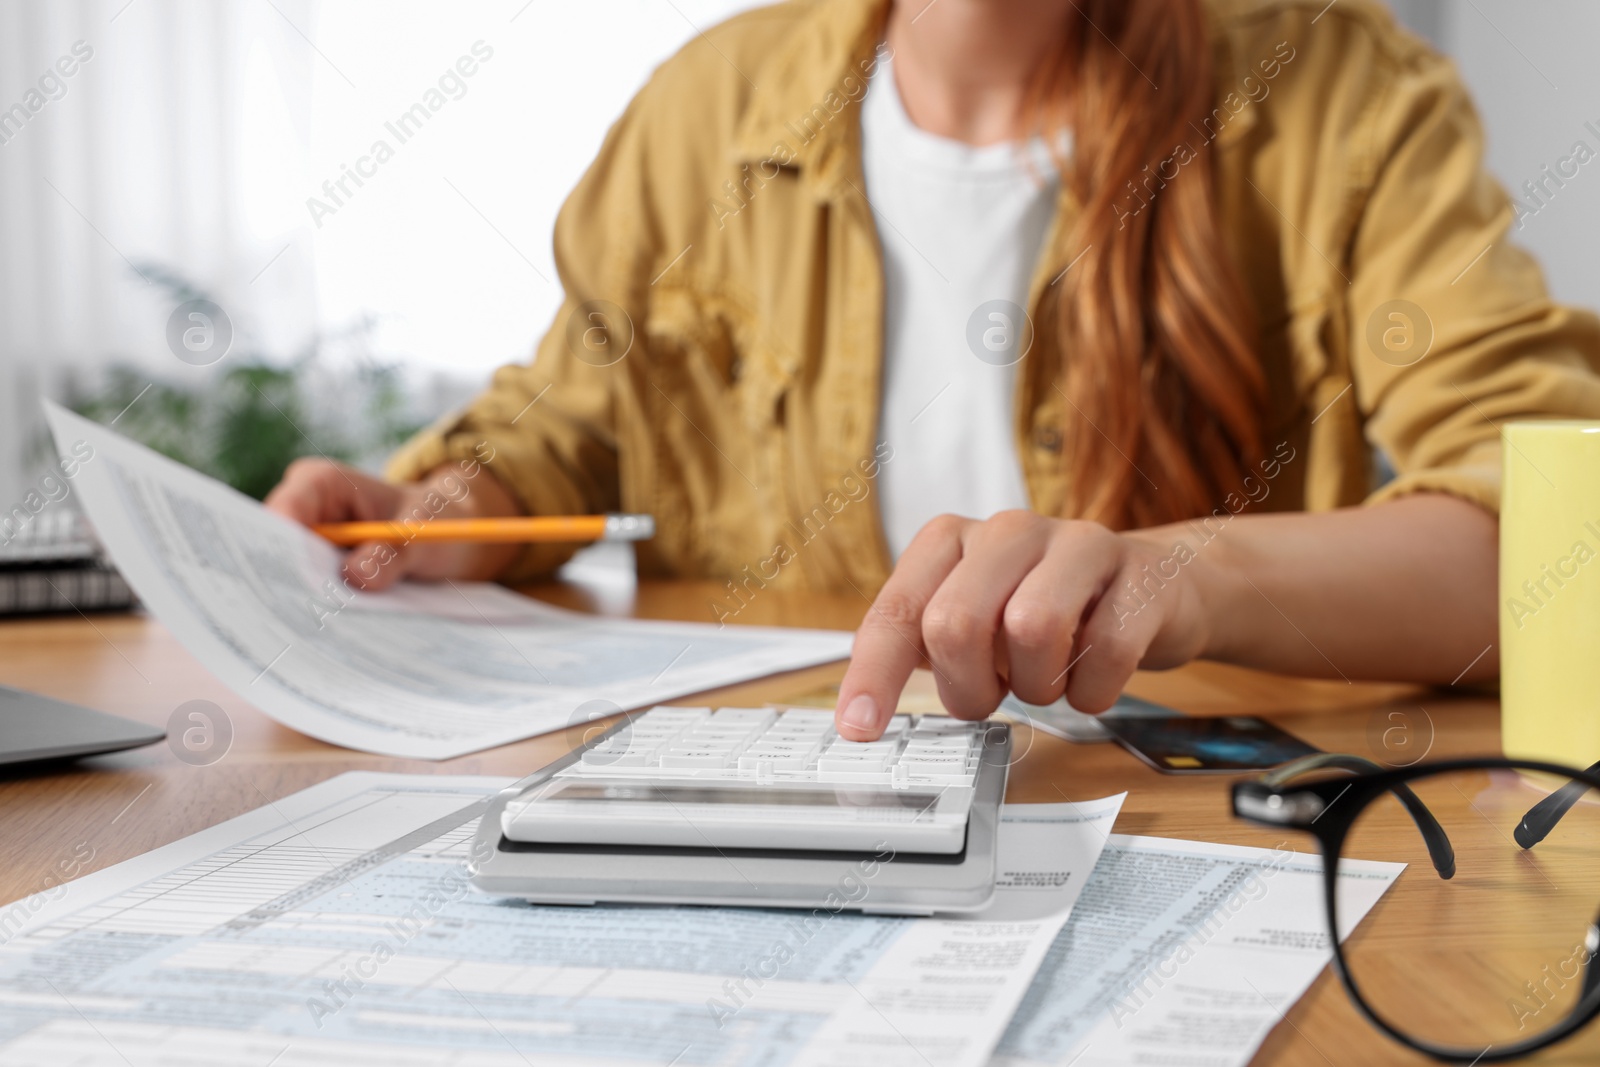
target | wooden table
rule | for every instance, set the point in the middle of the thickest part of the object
(125, 804)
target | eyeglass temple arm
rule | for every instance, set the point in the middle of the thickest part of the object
(1591, 972)
(1543, 816)
(1433, 835)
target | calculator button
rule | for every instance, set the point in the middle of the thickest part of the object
(706, 744)
(622, 758)
(939, 779)
(932, 771)
(648, 735)
(914, 759)
(754, 718)
(926, 767)
(958, 746)
(726, 733)
(943, 724)
(784, 729)
(928, 778)
(806, 715)
(757, 762)
(781, 748)
(773, 737)
(886, 745)
(696, 759)
(828, 764)
(872, 775)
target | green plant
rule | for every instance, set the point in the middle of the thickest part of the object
(249, 418)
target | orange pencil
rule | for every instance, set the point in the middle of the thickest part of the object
(493, 531)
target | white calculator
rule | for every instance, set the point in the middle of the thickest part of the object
(760, 778)
(756, 806)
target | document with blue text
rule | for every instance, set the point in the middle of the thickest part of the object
(426, 671)
(336, 927)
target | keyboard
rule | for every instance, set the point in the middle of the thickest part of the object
(760, 778)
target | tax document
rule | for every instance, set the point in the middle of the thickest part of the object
(425, 671)
(1185, 954)
(336, 928)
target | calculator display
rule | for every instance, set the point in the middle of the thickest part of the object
(657, 793)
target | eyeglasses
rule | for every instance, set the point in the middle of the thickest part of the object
(1512, 839)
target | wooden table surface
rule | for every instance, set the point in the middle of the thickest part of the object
(125, 804)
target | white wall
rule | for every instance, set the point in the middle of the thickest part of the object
(451, 240)
(1533, 75)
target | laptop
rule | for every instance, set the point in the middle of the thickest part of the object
(34, 727)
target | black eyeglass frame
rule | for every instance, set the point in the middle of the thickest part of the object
(1327, 808)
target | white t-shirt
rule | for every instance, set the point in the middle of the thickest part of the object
(960, 228)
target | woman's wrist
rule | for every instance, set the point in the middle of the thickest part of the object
(1214, 575)
(482, 496)
(1221, 577)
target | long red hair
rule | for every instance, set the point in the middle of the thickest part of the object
(1156, 336)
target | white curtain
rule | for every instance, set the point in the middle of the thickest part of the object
(194, 134)
(133, 139)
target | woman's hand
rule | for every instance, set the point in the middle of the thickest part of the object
(319, 490)
(1024, 604)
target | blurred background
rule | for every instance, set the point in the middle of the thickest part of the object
(154, 152)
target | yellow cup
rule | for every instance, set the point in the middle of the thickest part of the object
(1550, 592)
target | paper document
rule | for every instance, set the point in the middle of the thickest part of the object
(1184, 954)
(427, 671)
(335, 928)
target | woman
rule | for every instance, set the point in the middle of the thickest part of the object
(1259, 260)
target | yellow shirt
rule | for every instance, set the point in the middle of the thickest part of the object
(716, 360)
